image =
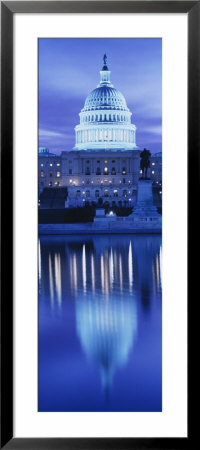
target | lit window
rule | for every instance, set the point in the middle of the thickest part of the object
(51, 165)
(140, 171)
(70, 181)
(106, 162)
(153, 171)
(115, 192)
(58, 174)
(42, 165)
(50, 184)
(153, 164)
(58, 164)
(106, 193)
(42, 173)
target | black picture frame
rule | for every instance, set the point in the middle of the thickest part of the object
(8, 9)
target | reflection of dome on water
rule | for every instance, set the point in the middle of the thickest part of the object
(107, 329)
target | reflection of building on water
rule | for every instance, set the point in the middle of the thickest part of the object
(107, 329)
(147, 257)
(106, 276)
(100, 265)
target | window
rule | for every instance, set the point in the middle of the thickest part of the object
(106, 193)
(58, 164)
(113, 161)
(50, 183)
(125, 193)
(153, 172)
(124, 171)
(42, 165)
(113, 171)
(50, 174)
(124, 181)
(98, 171)
(42, 173)
(153, 164)
(70, 171)
(58, 174)
(106, 171)
(78, 193)
(97, 193)
(115, 193)
(51, 165)
(87, 193)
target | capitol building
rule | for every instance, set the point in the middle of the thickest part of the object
(103, 168)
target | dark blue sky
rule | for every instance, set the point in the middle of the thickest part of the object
(69, 71)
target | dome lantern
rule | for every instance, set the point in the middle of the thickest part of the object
(105, 74)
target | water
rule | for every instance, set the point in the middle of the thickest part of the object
(100, 323)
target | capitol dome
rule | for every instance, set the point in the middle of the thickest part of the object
(105, 120)
(105, 97)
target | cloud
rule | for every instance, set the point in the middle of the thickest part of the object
(48, 133)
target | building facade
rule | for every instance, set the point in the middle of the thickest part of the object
(104, 166)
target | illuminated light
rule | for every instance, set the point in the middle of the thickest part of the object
(140, 171)
(51, 165)
(129, 199)
(102, 273)
(130, 267)
(157, 271)
(111, 213)
(120, 273)
(84, 269)
(153, 171)
(51, 281)
(106, 277)
(75, 273)
(153, 164)
(92, 273)
(160, 192)
(83, 199)
(160, 261)
(111, 268)
(42, 165)
(58, 278)
(70, 181)
(39, 261)
(58, 164)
